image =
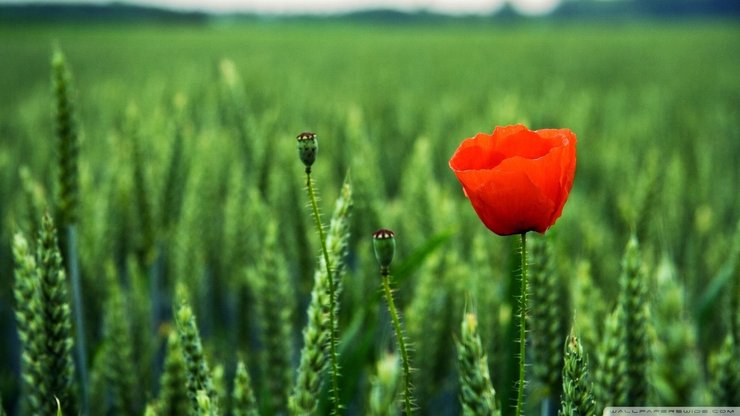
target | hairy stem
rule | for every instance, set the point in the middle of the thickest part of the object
(522, 328)
(332, 296)
(401, 343)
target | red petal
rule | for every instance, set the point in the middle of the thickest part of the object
(519, 141)
(516, 179)
(567, 164)
(543, 172)
(476, 153)
(507, 202)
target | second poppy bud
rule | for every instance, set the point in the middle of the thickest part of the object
(308, 147)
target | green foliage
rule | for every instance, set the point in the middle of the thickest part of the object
(476, 391)
(425, 323)
(55, 336)
(275, 308)
(586, 296)
(174, 182)
(201, 390)
(610, 363)
(634, 325)
(243, 402)
(307, 150)
(547, 311)
(173, 392)
(401, 344)
(316, 334)
(675, 373)
(726, 374)
(577, 399)
(44, 324)
(384, 387)
(27, 315)
(205, 405)
(35, 201)
(150, 410)
(67, 142)
(142, 195)
(184, 193)
(119, 354)
(219, 384)
(99, 391)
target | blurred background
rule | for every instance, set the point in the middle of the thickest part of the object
(554, 8)
(187, 114)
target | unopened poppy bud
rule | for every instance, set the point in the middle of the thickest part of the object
(384, 245)
(308, 146)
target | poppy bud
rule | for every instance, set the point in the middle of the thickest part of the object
(384, 245)
(308, 146)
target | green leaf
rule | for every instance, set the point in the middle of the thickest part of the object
(413, 262)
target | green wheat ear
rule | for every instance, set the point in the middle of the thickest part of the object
(99, 391)
(476, 391)
(425, 320)
(384, 387)
(44, 324)
(219, 384)
(35, 201)
(173, 391)
(608, 368)
(56, 326)
(67, 142)
(314, 354)
(577, 398)
(68, 201)
(173, 188)
(151, 410)
(118, 351)
(546, 315)
(243, 402)
(725, 371)
(144, 212)
(634, 356)
(204, 404)
(200, 381)
(275, 305)
(27, 313)
(676, 372)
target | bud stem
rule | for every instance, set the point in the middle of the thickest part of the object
(399, 338)
(332, 295)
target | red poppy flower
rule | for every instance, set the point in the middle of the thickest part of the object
(517, 180)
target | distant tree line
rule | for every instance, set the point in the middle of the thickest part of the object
(569, 9)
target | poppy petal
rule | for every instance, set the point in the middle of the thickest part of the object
(476, 153)
(519, 141)
(517, 180)
(544, 172)
(567, 162)
(508, 202)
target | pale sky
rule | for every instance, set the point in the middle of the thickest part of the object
(531, 7)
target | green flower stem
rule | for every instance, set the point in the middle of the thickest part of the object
(522, 329)
(332, 296)
(401, 343)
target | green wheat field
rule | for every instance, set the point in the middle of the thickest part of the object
(157, 167)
